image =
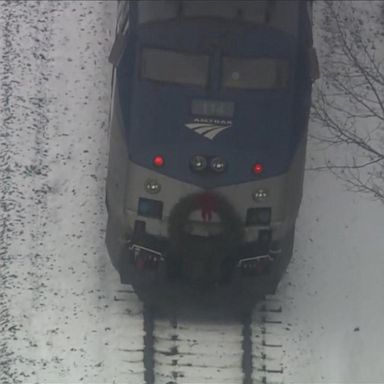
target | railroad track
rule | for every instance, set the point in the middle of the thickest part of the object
(184, 349)
(268, 342)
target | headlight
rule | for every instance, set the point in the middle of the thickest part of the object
(152, 186)
(260, 195)
(198, 163)
(218, 164)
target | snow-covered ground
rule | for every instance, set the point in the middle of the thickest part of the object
(334, 286)
(63, 316)
(57, 284)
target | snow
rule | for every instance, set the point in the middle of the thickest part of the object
(333, 289)
(64, 316)
(67, 325)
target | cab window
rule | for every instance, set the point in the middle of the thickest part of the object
(260, 73)
(174, 67)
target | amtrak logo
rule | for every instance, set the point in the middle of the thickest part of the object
(209, 128)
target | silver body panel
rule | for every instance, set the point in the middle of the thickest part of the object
(126, 180)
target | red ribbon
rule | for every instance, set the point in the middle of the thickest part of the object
(208, 205)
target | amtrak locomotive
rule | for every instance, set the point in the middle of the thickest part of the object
(208, 130)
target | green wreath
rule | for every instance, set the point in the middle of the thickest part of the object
(199, 259)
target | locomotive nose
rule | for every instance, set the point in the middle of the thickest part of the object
(205, 234)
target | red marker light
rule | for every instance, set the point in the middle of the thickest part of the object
(258, 168)
(158, 161)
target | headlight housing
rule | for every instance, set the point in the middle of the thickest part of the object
(260, 194)
(218, 164)
(198, 163)
(152, 186)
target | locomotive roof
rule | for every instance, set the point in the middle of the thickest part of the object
(280, 14)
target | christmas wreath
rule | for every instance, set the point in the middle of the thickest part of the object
(204, 260)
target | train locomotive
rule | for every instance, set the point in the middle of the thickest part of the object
(208, 130)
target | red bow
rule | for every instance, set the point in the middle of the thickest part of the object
(208, 204)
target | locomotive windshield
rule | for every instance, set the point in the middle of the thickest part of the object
(260, 73)
(190, 69)
(174, 67)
